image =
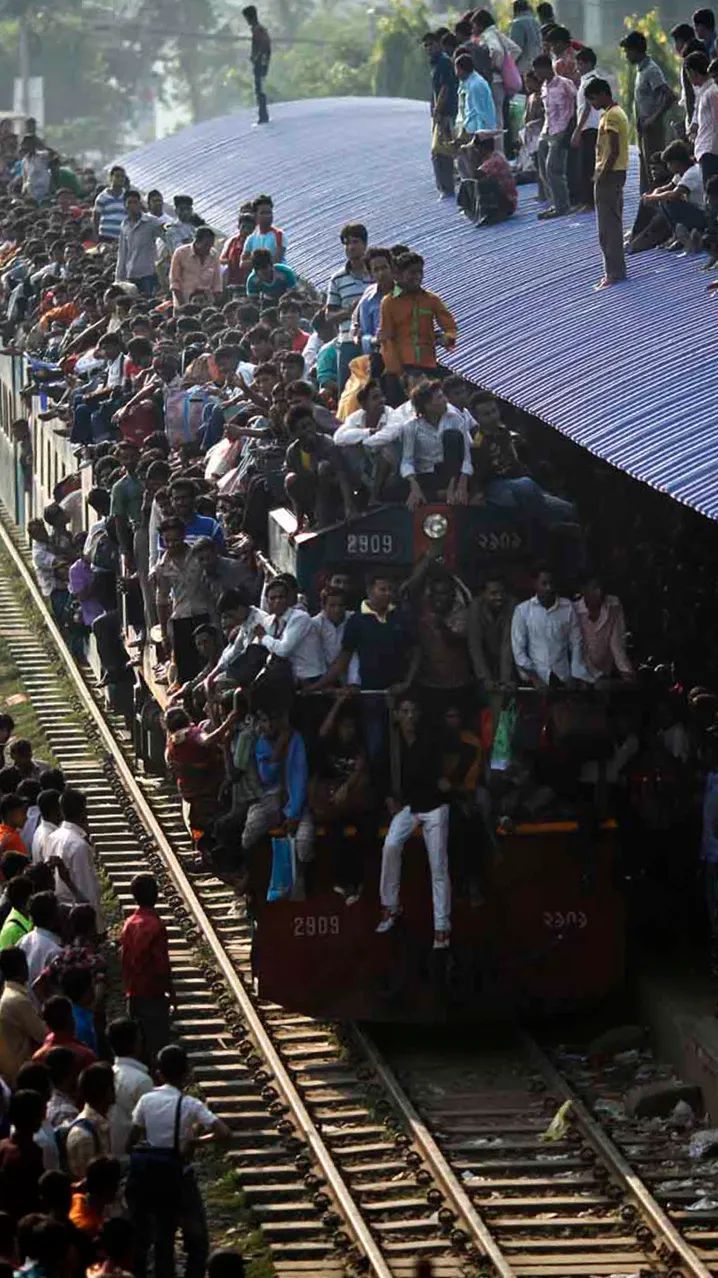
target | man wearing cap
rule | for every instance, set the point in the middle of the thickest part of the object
(652, 97)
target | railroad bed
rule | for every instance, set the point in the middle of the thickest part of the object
(345, 1166)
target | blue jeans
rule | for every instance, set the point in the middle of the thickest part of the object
(552, 158)
(524, 494)
(689, 215)
(346, 351)
(145, 284)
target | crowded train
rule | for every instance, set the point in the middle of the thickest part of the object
(433, 687)
(340, 593)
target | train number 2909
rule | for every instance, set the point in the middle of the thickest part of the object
(317, 925)
(377, 545)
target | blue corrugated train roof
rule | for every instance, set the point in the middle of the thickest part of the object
(628, 373)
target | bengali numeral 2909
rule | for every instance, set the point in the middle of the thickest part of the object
(317, 925)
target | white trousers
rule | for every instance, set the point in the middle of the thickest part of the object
(435, 829)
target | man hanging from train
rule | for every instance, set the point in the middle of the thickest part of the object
(546, 637)
(419, 799)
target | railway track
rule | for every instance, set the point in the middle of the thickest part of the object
(350, 1161)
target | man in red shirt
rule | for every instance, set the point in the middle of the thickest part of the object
(233, 249)
(13, 814)
(58, 1015)
(146, 972)
(494, 197)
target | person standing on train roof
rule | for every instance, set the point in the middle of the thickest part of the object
(365, 320)
(413, 322)
(546, 637)
(260, 55)
(610, 179)
(444, 105)
(704, 25)
(558, 95)
(346, 287)
(265, 234)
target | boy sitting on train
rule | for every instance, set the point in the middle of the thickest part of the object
(370, 439)
(435, 449)
(316, 482)
(419, 799)
(499, 476)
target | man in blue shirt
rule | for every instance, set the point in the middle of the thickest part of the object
(365, 321)
(477, 113)
(184, 495)
(268, 278)
(444, 105)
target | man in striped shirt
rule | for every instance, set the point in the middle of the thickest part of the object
(108, 213)
(346, 286)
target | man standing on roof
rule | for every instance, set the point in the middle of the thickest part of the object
(558, 95)
(652, 97)
(610, 179)
(260, 54)
(409, 319)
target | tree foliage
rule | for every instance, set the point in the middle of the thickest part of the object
(398, 61)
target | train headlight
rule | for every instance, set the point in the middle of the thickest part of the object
(435, 526)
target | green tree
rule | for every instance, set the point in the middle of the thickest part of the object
(398, 60)
(659, 48)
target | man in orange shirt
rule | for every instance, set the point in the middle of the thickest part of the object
(409, 320)
(13, 814)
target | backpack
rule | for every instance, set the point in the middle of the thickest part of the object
(63, 1131)
(183, 413)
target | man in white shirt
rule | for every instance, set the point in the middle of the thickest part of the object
(329, 624)
(435, 449)
(71, 844)
(704, 125)
(132, 1081)
(238, 620)
(678, 203)
(167, 1118)
(584, 135)
(370, 435)
(546, 637)
(42, 943)
(48, 802)
(289, 633)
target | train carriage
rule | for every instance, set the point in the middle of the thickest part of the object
(539, 937)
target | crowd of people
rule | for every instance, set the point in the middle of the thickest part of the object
(574, 139)
(203, 385)
(200, 387)
(97, 1128)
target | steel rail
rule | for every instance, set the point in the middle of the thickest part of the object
(621, 1168)
(361, 1234)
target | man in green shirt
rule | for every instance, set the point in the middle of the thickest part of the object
(126, 500)
(268, 278)
(63, 176)
(18, 923)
